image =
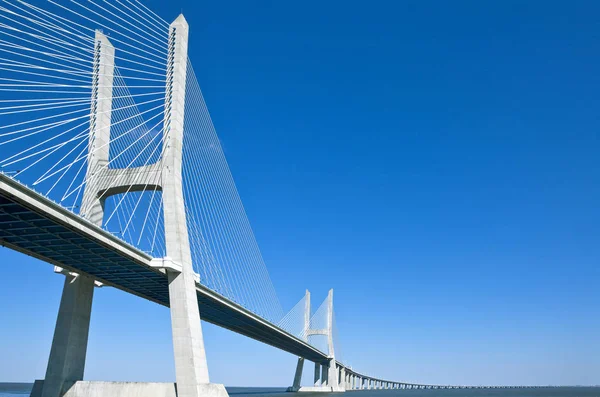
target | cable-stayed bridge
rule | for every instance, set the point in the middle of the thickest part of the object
(112, 171)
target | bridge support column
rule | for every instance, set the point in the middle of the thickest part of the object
(325, 375)
(298, 375)
(66, 363)
(191, 370)
(317, 374)
(69, 345)
(332, 375)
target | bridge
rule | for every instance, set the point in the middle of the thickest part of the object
(113, 173)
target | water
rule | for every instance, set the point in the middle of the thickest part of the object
(15, 389)
(23, 389)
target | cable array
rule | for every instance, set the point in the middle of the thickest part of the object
(50, 69)
(339, 354)
(293, 321)
(224, 249)
(53, 93)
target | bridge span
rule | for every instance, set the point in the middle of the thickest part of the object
(119, 149)
(37, 226)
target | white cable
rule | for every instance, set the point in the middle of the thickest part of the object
(124, 35)
(147, 29)
(138, 15)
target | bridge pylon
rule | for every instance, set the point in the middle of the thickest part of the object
(64, 374)
(328, 375)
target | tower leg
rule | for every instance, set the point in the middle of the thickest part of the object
(190, 358)
(317, 374)
(298, 375)
(191, 370)
(69, 345)
(324, 375)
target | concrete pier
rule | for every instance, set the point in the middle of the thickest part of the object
(66, 363)
(317, 375)
(325, 375)
(191, 369)
(298, 375)
(69, 345)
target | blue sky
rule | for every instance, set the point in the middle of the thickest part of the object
(434, 163)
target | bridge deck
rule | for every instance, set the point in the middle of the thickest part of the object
(34, 225)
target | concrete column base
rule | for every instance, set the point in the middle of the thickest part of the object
(128, 389)
(319, 389)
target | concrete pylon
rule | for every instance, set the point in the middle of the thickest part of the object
(67, 358)
(66, 363)
(333, 376)
(191, 370)
(328, 380)
(92, 203)
(300, 365)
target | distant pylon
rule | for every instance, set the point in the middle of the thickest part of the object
(327, 377)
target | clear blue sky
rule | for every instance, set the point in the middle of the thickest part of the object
(436, 164)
